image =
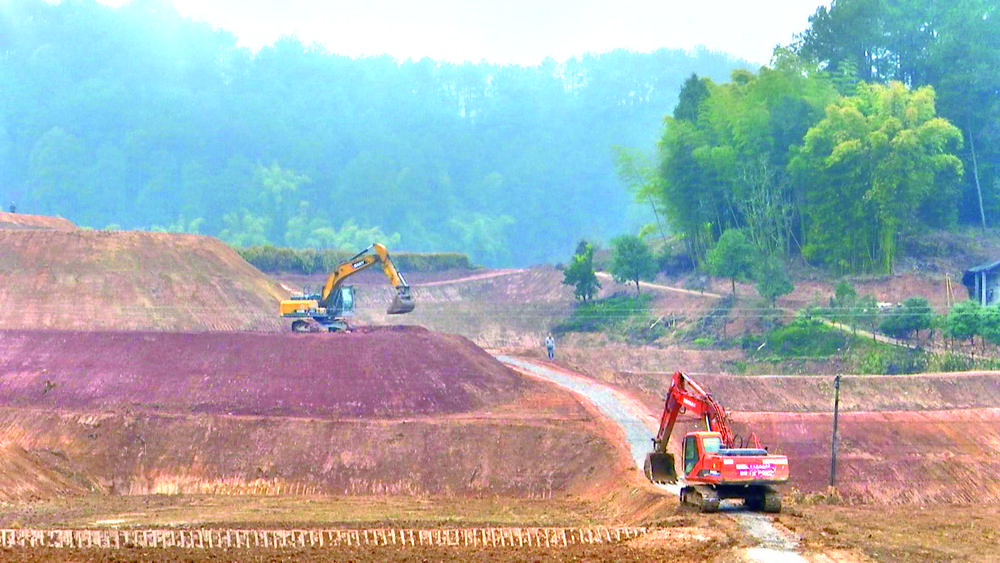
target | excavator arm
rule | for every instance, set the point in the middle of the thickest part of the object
(375, 253)
(686, 396)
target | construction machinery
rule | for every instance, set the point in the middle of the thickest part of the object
(328, 310)
(717, 465)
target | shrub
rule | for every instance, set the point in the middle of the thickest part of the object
(624, 315)
(269, 258)
(887, 361)
(805, 337)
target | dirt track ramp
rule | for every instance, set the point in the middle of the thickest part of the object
(130, 280)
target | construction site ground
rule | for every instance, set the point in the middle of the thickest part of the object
(190, 416)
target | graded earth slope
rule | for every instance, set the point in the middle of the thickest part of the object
(20, 221)
(393, 410)
(387, 372)
(130, 280)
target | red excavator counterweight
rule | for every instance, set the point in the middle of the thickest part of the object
(715, 466)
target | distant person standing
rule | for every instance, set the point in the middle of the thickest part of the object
(550, 346)
(13, 208)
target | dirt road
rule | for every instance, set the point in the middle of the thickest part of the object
(639, 425)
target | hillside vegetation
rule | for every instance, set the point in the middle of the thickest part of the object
(152, 120)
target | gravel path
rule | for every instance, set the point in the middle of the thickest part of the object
(639, 425)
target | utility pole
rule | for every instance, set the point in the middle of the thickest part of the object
(833, 446)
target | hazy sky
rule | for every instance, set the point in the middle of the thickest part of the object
(510, 31)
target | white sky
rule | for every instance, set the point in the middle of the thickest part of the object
(510, 31)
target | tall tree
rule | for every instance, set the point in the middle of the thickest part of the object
(912, 316)
(580, 272)
(877, 163)
(773, 280)
(631, 260)
(732, 257)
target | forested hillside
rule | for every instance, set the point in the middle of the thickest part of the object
(883, 121)
(134, 117)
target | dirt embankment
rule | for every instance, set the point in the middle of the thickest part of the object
(394, 410)
(53, 452)
(20, 221)
(388, 372)
(124, 280)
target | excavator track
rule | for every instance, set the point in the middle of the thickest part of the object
(763, 499)
(700, 496)
(772, 501)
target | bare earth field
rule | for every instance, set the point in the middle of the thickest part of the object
(165, 393)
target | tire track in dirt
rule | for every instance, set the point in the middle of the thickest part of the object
(638, 425)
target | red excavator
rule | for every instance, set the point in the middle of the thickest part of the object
(717, 465)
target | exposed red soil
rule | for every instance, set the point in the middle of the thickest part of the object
(392, 410)
(928, 457)
(555, 451)
(123, 280)
(20, 221)
(379, 372)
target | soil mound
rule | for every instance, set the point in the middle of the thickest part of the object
(130, 280)
(386, 372)
(19, 221)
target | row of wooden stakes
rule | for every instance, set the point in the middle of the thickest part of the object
(277, 539)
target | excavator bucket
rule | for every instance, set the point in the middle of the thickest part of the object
(659, 468)
(403, 303)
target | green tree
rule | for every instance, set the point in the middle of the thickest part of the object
(913, 316)
(873, 164)
(693, 92)
(866, 313)
(277, 195)
(580, 272)
(732, 257)
(989, 324)
(842, 302)
(953, 47)
(242, 228)
(964, 321)
(631, 260)
(724, 162)
(773, 280)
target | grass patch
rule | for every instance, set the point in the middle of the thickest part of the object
(620, 316)
(802, 338)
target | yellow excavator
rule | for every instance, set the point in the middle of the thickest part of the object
(328, 309)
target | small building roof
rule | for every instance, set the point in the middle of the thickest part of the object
(968, 278)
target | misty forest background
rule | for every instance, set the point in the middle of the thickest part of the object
(883, 119)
